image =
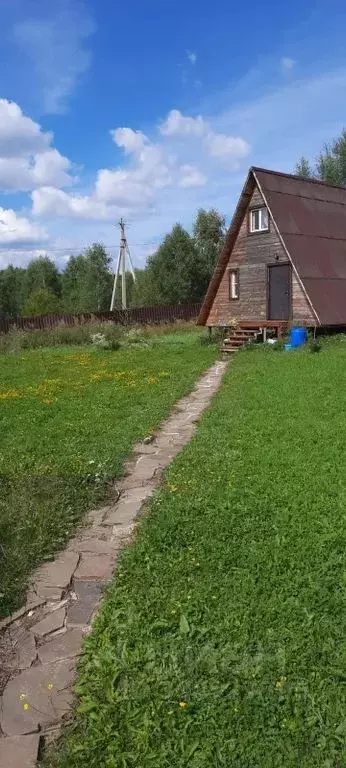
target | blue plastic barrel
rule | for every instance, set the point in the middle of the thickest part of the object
(298, 337)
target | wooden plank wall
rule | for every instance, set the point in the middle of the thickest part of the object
(251, 255)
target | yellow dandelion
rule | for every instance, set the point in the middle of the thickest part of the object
(22, 696)
(10, 394)
(26, 706)
(50, 686)
(182, 704)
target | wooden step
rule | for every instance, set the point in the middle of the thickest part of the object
(234, 341)
(245, 335)
(229, 350)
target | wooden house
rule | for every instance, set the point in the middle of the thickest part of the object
(284, 261)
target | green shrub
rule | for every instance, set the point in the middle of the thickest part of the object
(61, 335)
(315, 345)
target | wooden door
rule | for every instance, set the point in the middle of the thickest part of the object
(279, 292)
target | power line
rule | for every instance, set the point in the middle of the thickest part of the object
(15, 249)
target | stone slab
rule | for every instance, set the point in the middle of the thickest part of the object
(25, 650)
(37, 697)
(148, 450)
(65, 646)
(29, 606)
(80, 611)
(50, 623)
(58, 573)
(95, 567)
(147, 469)
(137, 493)
(93, 544)
(19, 751)
(125, 512)
(95, 516)
(120, 532)
(49, 593)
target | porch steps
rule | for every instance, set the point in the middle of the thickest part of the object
(247, 332)
(238, 339)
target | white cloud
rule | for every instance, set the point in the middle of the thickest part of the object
(134, 186)
(26, 158)
(122, 188)
(16, 229)
(51, 167)
(51, 202)
(151, 170)
(287, 64)
(129, 140)
(192, 57)
(191, 177)
(227, 147)
(55, 43)
(177, 124)
(19, 135)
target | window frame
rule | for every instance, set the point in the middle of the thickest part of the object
(232, 272)
(258, 208)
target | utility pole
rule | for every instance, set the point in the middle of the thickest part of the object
(121, 268)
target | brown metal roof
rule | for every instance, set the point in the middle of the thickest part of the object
(311, 219)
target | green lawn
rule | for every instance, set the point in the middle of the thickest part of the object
(223, 639)
(68, 418)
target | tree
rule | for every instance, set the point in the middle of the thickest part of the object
(330, 165)
(41, 301)
(172, 269)
(41, 273)
(73, 278)
(144, 292)
(209, 238)
(303, 169)
(11, 290)
(87, 281)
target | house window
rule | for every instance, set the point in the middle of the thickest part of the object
(259, 221)
(234, 284)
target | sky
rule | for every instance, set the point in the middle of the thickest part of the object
(150, 110)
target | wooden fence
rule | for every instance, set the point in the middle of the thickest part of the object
(166, 313)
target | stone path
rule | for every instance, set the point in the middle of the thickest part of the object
(39, 644)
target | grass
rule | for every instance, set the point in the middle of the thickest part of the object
(68, 418)
(222, 640)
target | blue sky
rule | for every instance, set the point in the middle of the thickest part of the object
(151, 110)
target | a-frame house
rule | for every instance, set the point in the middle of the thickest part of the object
(284, 257)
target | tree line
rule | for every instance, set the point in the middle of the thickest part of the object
(178, 272)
